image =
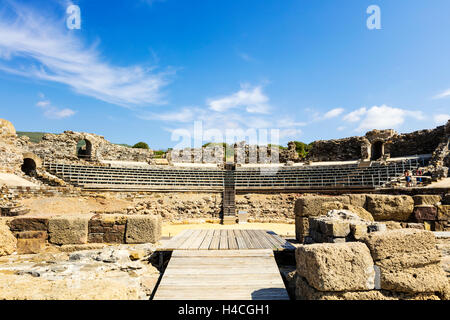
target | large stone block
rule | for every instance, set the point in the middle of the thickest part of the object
(304, 291)
(388, 207)
(8, 242)
(29, 224)
(429, 278)
(426, 199)
(107, 228)
(143, 229)
(336, 267)
(335, 205)
(71, 229)
(392, 243)
(425, 212)
(301, 228)
(312, 205)
(334, 228)
(357, 200)
(443, 212)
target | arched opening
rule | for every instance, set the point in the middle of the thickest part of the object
(29, 167)
(377, 150)
(84, 149)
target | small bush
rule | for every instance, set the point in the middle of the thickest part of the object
(141, 145)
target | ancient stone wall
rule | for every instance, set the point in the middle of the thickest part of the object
(10, 155)
(62, 148)
(337, 150)
(210, 154)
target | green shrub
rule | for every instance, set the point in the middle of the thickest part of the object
(141, 145)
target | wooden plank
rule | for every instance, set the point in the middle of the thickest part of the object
(215, 240)
(198, 241)
(240, 241)
(254, 239)
(222, 275)
(176, 241)
(232, 243)
(223, 245)
(207, 240)
(248, 241)
(271, 243)
(186, 244)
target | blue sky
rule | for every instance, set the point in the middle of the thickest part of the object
(144, 70)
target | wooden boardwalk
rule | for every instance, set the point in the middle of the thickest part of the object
(236, 239)
(221, 275)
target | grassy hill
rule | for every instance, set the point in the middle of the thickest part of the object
(34, 136)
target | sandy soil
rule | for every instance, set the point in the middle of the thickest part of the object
(62, 205)
(283, 229)
(11, 180)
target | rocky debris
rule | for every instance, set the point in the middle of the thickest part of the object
(389, 207)
(8, 242)
(336, 267)
(108, 273)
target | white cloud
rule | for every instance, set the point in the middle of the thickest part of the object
(333, 113)
(356, 115)
(252, 99)
(444, 94)
(53, 112)
(440, 119)
(40, 47)
(381, 117)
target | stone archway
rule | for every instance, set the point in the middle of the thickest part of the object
(29, 167)
(377, 150)
(84, 149)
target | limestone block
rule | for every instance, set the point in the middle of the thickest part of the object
(312, 205)
(429, 278)
(357, 200)
(389, 243)
(443, 212)
(71, 229)
(30, 246)
(358, 230)
(304, 291)
(107, 228)
(301, 228)
(388, 207)
(336, 267)
(29, 224)
(334, 228)
(425, 212)
(335, 205)
(426, 199)
(8, 242)
(143, 229)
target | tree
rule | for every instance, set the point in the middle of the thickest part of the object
(141, 145)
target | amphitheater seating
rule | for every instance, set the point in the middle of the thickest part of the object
(323, 176)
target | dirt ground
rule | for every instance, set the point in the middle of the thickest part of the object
(63, 205)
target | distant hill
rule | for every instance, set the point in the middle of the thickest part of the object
(34, 136)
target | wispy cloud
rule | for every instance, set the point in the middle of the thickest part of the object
(381, 117)
(333, 113)
(53, 112)
(444, 94)
(40, 47)
(440, 119)
(251, 98)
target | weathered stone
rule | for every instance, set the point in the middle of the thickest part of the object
(143, 229)
(8, 243)
(429, 278)
(426, 199)
(388, 207)
(387, 244)
(443, 212)
(30, 246)
(334, 228)
(335, 205)
(301, 228)
(415, 226)
(336, 267)
(446, 199)
(358, 230)
(107, 228)
(68, 229)
(425, 212)
(29, 224)
(357, 200)
(312, 205)
(392, 225)
(304, 291)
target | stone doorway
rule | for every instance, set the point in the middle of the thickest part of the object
(84, 149)
(29, 167)
(377, 150)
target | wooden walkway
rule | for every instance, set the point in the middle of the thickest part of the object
(236, 239)
(222, 275)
